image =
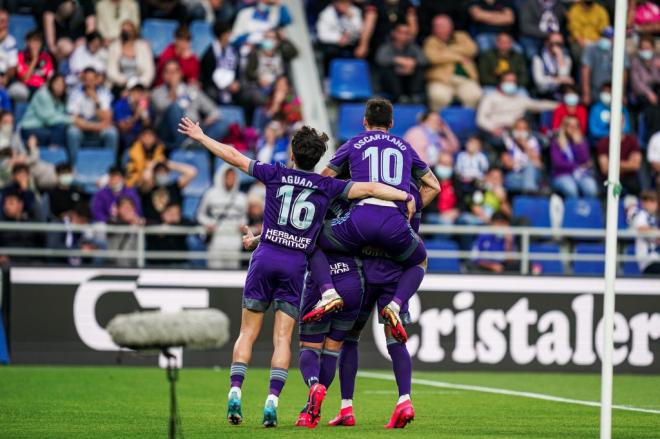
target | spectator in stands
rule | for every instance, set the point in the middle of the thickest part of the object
(65, 23)
(380, 17)
(223, 211)
(452, 72)
(13, 210)
(85, 241)
(570, 106)
(521, 158)
(447, 199)
(502, 58)
(490, 18)
(170, 216)
(91, 108)
(644, 16)
(111, 15)
(283, 103)
(489, 197)
(46, 116)
(129, 57)
(253, 22)
(645, 82)
(180, 51)
(499, 110)
(220, 67)
(104, 202)
(338, 29)
(471, 164)
(599, 115)
(630, 164)
(653, 157)
(273, 145)
(131, 112)
(159, 188)
(91, 54)
(175, 99)
(429, 9)
(8, 49)
(597, 67)
(35, 66)
(572, 167)
(66, 195)
(494, 242)
(126, 242)
(21, 184)
(143, 155)
(551, 68)
(431, 136)
(537, 19)
(587, 19)
(647, 249)
(401, 64)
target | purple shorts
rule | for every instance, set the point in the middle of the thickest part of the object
(276, 276)
(379, 295)
(373, 225)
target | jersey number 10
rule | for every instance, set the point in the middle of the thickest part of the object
(380, 165)
(302, 214)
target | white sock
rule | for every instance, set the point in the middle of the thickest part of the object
(403, 398)
(329, 294)
(273, 398)
(235, 389)
(345, 403)
(394, 306)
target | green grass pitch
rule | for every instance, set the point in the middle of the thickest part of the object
(125, 402)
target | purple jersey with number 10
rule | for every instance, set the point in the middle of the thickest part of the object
(296, 204)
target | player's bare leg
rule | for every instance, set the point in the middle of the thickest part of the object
(402, 367)
(390, 312)
(251, 323)
(279, 364)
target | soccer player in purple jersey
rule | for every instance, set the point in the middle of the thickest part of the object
(377, 156)
(296, 203)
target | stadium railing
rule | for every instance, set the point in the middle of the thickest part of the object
(525, 236)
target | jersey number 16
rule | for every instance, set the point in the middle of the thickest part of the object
(302, 214)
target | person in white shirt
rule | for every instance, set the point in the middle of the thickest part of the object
(647, 249)
(522, 158)
(8, 49)
(471, 164)
(110, 14)
(338, 29)
(91, 54)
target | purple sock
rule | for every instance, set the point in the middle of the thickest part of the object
(328, 367)
(309, 365)
(237, 374)
(401, 365)
(277, 380)
(408, 284)
(348, 367)
(320, 270)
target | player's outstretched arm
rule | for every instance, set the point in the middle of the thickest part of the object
(226, 152)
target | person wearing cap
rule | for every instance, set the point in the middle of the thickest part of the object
(104, 203)
(586, 21)
(90, 106)
(130, 56)
(597, 66)
(91, 54)
(181, 51)
(131, 112)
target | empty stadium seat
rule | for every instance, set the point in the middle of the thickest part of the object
(405, 116)
(444, 264)
(536, 210)
(92, 164)
(631, 268)
(53, 154)
(199, 158)
(548, 266)
(462, 121)
(159, 33)
(19, 26)
(202, 36)
(583, 213)
(589, 267)
(350, 79)
(233, 114)
(349, 121)
(189, 208)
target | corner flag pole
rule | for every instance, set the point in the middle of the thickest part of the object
(613, 192)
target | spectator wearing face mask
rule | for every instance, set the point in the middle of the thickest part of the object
(66, 195)
(180, 51)
(537, 19)
(104, 203)
(431, 136)
(111, 14)
(601, 113)
(91, 54)
(645, 82)
(160, 187)
(130, 58)
(220, 67)
(551, 68)
(253, 22)
(522, 159)
(587, 19)
(570, 106)
(145, 153)
(597, 66)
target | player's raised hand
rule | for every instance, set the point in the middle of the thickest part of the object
(191, 129)
(250, 241)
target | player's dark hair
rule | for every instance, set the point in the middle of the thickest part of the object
(378, 112)
(308, 146)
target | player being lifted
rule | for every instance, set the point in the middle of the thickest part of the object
(296, 203)
(376, 156)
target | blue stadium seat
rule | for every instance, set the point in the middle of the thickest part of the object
(199, 158)
(589, 267)
(92, 164)
(53, 154)
(583, 213)
(189, 208)
(444, 264)
(349, 121)
(19, 26)
(631, 268)
(547, 266)
(159, 33)
(462, 121)
(19, 111)
(535, 209)
(405, 116)
(350, 79)
(202, 36)
(233, 114)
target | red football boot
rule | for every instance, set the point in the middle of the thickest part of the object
(345, 418)
(403, 414)
(392, 318)
(316, 396)
(303, 419)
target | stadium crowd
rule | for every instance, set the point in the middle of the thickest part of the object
(85, 79)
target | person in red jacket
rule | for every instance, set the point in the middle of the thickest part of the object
(35, 66)
(181, 51)
(570, 106)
